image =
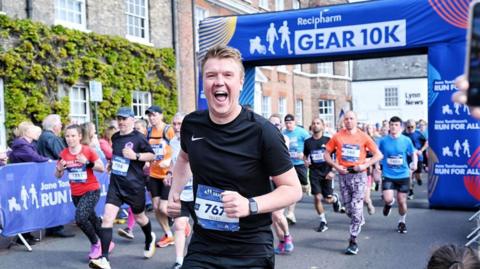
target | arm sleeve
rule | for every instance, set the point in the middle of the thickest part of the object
(145, 146)
(31, 155)
(306, 149)
(275, 152)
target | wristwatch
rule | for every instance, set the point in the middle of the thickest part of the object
(252, 205)
(137, 156)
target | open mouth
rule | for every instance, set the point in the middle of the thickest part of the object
(220, 96)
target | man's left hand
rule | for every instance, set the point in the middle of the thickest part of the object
(235, 205)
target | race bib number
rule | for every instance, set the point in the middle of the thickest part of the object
(77, 174)
(210, 212)
(350, 152)
(159, 152)
(317, 156)
(187, 192)
(395, 161)
(120, 165)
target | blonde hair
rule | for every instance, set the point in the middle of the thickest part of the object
(22, 128)
(224, 52)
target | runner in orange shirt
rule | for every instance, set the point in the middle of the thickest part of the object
(159, 136)
(350, 146)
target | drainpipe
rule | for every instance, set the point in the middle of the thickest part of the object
(196, 92)
(174, 7)
(29, 8)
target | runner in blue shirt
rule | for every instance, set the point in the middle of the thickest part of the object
(396, 172)
(420, 143)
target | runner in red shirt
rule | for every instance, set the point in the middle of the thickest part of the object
(78, 162)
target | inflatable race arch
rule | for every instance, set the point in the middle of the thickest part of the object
(374, 29)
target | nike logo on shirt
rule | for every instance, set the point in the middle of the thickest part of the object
(196, 138)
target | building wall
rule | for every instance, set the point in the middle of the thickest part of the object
(369, 99)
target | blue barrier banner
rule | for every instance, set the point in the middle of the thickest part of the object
(32, 198)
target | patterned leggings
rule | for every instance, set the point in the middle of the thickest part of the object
(352, 187)
(85, 215)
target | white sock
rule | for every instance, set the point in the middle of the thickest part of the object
(169, 233)
(393, 202)
(179, 260)
(322, 217)
(402, 218)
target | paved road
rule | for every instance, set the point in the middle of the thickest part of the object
(380, 245)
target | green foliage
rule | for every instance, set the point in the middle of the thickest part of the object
(36, 61)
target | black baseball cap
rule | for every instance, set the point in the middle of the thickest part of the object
(289, 117)
(154, 109)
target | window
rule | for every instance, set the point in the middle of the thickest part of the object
(297, 67)
(3, 137)
(296, 4)
(263, 4)
(391, 96)
(299, 111)
(141, 101)
(325, 68)
(266, 106)
(137, 19)
(71, 13)
(282, 106)
(279, 5)
(326, 111)
(79, 104)
(200, 14)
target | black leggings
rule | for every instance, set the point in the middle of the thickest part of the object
(85, 215)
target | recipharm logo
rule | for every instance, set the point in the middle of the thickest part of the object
(350, 38)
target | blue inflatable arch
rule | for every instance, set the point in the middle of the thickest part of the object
(374, 29)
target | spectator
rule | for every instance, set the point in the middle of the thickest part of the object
(453, 257)
(23, 150)
(90, 138)
(3, 158)
(50, 144)
(106, 142)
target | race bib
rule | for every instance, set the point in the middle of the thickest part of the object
(395, 161)
(77, 174)
(317, 156)
(187, 192)
(159, 152)
(293, 154)
(120, 165)
(350, 152)
(210, 212)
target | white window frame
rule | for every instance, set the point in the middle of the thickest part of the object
(263, 4)
(391, 96)
(279, 5)
(295, 4)
(325, 68)
(67, 10)
(299, 111)
(136, 15)
(282, 106)
(3, 134)
(200, 14)
(76, 101)
(141, 101)
(266, 106)
(326, 111)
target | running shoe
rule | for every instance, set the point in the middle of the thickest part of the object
(402, 228)
(337, 204)
(100, 263)
(387, 209)
(166, 241)
(149, 249)
(343, 210)
(176, 266)
(410, 195)
(371, 208)
(291, 218)
(419, 182)
(352, 248)
(289, 243)
(322, 227)
(125, 233)
(95, 251)
(280, 249)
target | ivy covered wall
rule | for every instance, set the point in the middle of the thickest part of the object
(37, 61)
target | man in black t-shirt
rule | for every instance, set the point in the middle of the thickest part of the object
(130, 152)
(232, 153)
(321, 174)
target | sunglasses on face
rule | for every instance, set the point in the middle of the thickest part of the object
(410, 127)
(121, 118)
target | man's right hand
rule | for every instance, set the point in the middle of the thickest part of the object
(174, 205)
